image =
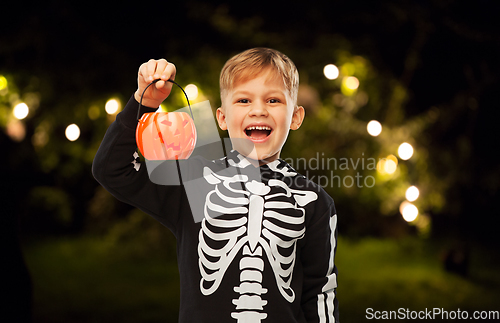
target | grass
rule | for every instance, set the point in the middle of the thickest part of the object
(88, 279)
(387, 275)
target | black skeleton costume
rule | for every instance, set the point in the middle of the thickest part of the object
(253, 244)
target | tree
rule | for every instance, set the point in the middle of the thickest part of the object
(404, 56)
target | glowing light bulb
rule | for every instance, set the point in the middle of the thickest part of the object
(72, 132)
(16, 130)
(191, 91)
(387, 165)
(112, 106)
(94, 112)
(391, 164)
(381, 166)
(408, 211)
(374, 128)
(331, 71)
(412, 193)
(351, 82)
(21, 111)
(3, 82)
(405, 151)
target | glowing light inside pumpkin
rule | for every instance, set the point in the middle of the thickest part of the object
(331, 71)
(72, 132)
(112, 106)
(21, 111)
(374, 128)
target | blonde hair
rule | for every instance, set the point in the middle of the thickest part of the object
(252, 62)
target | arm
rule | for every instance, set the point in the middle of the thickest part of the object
(113, 168)
(113, 165)
(319, 299)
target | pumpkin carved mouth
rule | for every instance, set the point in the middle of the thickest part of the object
(258, 132)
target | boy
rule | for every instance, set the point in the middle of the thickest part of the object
(263, 247)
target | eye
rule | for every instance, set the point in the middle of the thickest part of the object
(244, 101)
(274, 101)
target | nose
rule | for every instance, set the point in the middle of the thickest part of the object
(258, 109)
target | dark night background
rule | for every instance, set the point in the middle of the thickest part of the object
(442, 54)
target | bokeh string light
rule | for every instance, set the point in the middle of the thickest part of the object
(349, 85)
(21, 111)
(3, 83)
(412, 193)
(112, 106)
(191, 91)
(388, 165)
(391, 164)
(331, 71)
(408, 211)
(374, 128)
(351, 82)
(72, 132)
(405, 151)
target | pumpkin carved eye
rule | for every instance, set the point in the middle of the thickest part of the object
(167, 123)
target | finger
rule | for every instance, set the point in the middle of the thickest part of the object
(170, 71)
(164, 86)
(161, 64)
(146, 71)
(143, 73)
(160, 84)
(150, 70)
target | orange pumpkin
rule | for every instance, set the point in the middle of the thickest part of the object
(166, 135)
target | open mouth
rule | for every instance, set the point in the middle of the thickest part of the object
(258, 132)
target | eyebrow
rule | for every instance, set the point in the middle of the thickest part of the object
(241, 92)
(271, 92)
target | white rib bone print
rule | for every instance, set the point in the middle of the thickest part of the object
(272, 222)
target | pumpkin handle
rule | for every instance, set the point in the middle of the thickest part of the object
(171, 81)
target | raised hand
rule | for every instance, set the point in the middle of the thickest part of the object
(158, 92)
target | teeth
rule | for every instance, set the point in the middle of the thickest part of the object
(258, 128)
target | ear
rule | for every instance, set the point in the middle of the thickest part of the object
(297, 118)
(221, 118)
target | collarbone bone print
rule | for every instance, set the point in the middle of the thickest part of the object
(245, 215)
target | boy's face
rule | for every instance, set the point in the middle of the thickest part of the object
(260, 111)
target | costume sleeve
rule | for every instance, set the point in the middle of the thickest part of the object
(319, 299)
(117, 169)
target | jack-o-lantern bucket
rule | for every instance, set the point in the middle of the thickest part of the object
(165, 135)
